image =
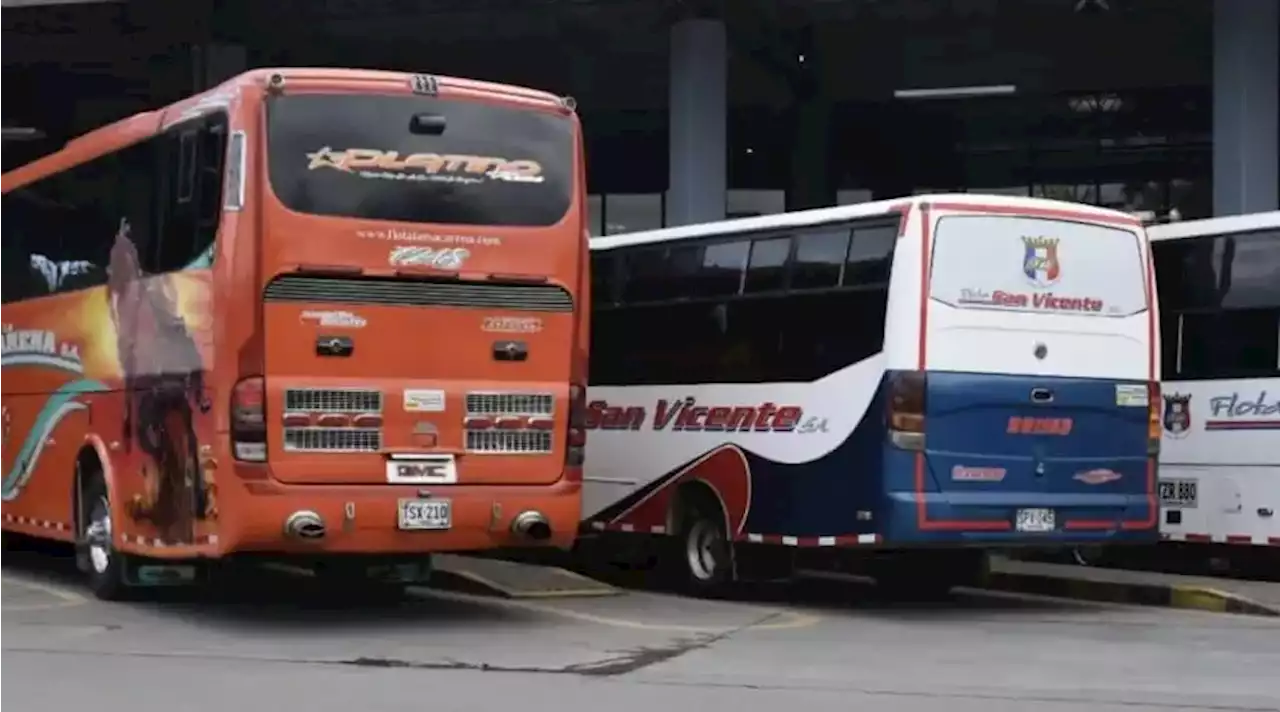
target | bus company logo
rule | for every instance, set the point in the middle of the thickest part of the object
(38, 347)
(448, 259)
(426, 167)
(1177, 414)
(1040, 260)
(335, 319)
(1099, 476)
(1244, 412)
(687, 415)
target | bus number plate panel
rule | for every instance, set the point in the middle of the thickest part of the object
(1035, 520)
(1183, 494)
(426, 514)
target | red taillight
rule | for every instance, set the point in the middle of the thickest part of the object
(575, 452)
(248, 420)
(1155, 428)
(905, 409)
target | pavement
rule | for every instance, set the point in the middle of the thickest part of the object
(280, 642)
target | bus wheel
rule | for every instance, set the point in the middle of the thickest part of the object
(705, 553)
(104, 565)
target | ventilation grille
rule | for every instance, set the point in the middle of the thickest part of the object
(515, 442)
(510, 404)
(332, 439)
(419, 293)
(332, 400)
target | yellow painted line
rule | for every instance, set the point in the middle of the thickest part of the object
(1199, 598)
(773, 619)
(65, 598)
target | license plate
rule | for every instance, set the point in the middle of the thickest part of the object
(430, 514)
(1035, 520)
(422, 470)
(1182, 494)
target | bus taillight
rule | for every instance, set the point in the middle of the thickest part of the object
(248, 420)
(1155, 428)
(575, 453)
(906, 410)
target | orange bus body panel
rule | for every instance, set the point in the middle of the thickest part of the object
(135, 374)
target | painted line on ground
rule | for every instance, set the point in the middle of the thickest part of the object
(65, 598)
(770, 618)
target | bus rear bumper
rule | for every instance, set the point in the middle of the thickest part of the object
(312, 520)
(993, 519)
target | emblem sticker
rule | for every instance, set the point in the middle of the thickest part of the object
(1097, 476)
(1177, 415)
(1040, 260)
(424, 400)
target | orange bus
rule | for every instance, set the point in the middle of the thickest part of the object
(331, 316)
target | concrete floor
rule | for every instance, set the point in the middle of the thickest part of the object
(279, 644)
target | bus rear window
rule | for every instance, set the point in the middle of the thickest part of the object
(419, 159)
(1037, 265)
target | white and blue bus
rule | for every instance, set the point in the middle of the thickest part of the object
(922, 380)
(1219, 289)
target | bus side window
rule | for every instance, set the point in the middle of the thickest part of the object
(191, 167)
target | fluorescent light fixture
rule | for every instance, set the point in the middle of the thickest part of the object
(955, 92)
(22, 133)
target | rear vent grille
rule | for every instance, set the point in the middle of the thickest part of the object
(490, 407)
(332, 439)
(333, 400)
(419, 293)
(312, 404)
(510, 404)
(512, 442)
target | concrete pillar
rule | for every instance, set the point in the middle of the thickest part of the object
(214, 62)
(1246, 133)
(698, 150)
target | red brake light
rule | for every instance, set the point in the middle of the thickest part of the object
(248, 419)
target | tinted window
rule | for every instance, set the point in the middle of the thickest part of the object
(1220, 305)
(645, 274)
(819, 258)
(871, 254)
(603, 277)
(722, 267)
(766, 268)
(371, 157)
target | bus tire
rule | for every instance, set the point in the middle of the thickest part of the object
(104, 565)
(704, 558)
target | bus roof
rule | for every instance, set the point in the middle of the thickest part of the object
(821, 216)
(1215, 226)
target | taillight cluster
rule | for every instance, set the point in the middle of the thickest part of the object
(249, 420)
(575, 453)
(1155, 428)
(905, 409)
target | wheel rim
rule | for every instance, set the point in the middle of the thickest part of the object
(703, 548)
(98, 535)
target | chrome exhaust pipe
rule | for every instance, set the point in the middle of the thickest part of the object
(304, 524)
(531, 524)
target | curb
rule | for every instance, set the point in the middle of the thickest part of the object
(1199, 598)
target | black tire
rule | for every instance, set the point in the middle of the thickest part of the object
(104, 566)
(702, 560)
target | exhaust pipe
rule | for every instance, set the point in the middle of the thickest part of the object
(531, 524)
(304, 524)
